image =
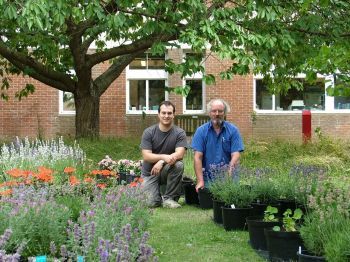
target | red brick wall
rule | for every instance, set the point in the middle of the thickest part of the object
(38, 115)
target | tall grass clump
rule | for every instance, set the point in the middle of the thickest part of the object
(25, 154)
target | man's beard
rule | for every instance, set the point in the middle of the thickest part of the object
(217, 122)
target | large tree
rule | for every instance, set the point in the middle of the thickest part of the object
(51, 41)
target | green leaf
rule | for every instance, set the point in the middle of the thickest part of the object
(209, 79)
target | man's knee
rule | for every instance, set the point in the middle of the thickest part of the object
(179, 166)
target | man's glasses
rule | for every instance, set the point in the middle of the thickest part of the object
(217, 111)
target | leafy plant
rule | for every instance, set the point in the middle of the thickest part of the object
(270, 214)
(290, 220)
(265, 190)
(231, 192)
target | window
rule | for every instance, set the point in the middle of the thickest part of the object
(146, 81)
(194, 102)
(139, 89)
(66, 103)
(340, 102)
(148, 61)
(312, 97)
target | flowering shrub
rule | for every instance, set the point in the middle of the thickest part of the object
(328, 220)
(3, 241)
(34, 217)
(113, 227)
(107, 163)
(28, 154)
(125, 165)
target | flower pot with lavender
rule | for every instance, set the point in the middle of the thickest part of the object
(237, 198)
(326, 230)
(189, 190)
(266, 194)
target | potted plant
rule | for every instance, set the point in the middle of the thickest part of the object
(124, 166)
(216, 191)
(265, 190)
(283, 241)
(257, 224)
(189, 190)
(324, 231)
(237, 198)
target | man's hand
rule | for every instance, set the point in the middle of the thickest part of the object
(199, 185)
(170, 159)
(157, 168)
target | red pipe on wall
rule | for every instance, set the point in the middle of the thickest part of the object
(306, 126)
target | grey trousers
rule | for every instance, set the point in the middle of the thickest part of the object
(171, 177)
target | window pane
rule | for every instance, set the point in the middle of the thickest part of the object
(263, 97)
(139, 62)
(156, 62)
(194, 98)
(137, 94)
(156, 93)
(341, 102)
(312, 98)
(68, 101)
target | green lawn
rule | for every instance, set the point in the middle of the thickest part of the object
(189, 234)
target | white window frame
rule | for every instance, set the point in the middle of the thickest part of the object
(196, 76)
(329, 100)
(61, 107)
(144, 74)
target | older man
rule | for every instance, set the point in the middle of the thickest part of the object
(215, 143)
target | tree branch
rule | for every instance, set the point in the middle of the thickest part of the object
(24, 61)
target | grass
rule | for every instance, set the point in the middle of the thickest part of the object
(189, 234)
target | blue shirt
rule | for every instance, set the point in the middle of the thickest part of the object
(217, 148)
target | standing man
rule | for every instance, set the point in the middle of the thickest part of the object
(163, 148)
(215, 143)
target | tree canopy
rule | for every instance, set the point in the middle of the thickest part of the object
(52, 41)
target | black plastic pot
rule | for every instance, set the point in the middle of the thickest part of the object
(286, 204)
(305, 256)
(122, 178)
(235, 218)
(205, 198)
(191, 196)
(282, 245)
(256, 226)
(259, 208)
(217, 210)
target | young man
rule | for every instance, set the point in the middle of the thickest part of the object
(216, 142)
(163, 147)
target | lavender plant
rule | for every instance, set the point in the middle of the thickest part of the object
(28, 154)
(329, 221)
(3, 241)
(34, 217)
(104, 231)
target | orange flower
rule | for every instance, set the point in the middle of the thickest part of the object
(9, 184)
(44, 177)
(45, 170)
(6, 192)
(69, 170)
(133, 184)
(138, 179)
(73, 180)
(95, 172)
(102, 185)
(89, 180)
(18, 173)
(105, 172)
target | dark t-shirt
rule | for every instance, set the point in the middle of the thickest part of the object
(161, 143)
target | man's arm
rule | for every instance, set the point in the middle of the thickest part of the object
(234, 160)
(198, 169)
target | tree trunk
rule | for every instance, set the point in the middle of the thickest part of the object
(87, 118)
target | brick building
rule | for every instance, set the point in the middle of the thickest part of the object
(129, 105)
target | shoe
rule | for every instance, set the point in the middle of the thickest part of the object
(169, 203)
